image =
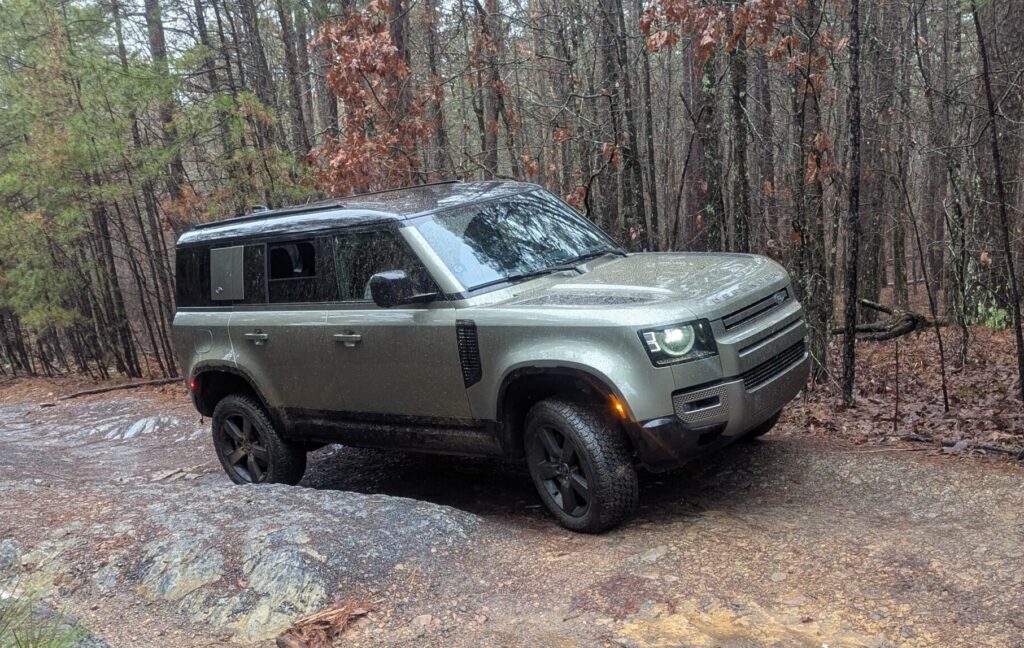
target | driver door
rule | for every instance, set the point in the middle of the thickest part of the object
(399, 363)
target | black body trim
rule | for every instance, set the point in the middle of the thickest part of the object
(371, 430)
(469, 351)
(210, 367)
(666, 443)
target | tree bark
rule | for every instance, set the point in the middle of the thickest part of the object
(300, 138)
(853, 215)
(175, 179)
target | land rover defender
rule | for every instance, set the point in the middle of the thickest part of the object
(479, 318)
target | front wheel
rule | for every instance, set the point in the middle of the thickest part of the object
(249, 448)
(581, 465)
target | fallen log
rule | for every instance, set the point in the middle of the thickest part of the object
(902, 323)
(134, 385)
(965, 444)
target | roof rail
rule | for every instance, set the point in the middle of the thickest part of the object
(381, 191)
(258, 212)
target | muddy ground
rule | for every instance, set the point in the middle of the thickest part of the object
(115, 506)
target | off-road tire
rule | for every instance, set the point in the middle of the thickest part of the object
(286, 462)
(605, 460)
(763, 428)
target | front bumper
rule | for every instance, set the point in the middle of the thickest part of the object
(713, 416)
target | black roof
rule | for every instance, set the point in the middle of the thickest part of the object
(395, 204)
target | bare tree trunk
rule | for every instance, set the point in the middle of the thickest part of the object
(326, 102)
(655, 239)
(302, 54)
(300, 138)
(853, 217)
(262, 82)
(491, 79)
(738, 173)
(175, 180)
(443, 164)
(1004, 217)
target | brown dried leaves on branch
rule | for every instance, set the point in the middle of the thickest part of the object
(384, 121)
(321, 629)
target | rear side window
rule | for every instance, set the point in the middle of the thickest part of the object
(360, 255)
(192, 275)
(292, 260)
(300, 271)
(255, 274)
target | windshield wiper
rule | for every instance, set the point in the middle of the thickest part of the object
(597, 253)
(561, 267)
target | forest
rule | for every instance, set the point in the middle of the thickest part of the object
(873, 148)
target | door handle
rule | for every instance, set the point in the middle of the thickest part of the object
(349, 339)
(259, 337)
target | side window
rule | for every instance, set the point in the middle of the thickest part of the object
(192, 274)
(360, 255)
(294, 260)
(255, 265)
(300, 271)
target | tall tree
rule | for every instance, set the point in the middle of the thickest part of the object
(1004, 217)
(853, 215)
(158, 50)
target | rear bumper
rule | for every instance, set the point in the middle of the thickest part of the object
(713, 416)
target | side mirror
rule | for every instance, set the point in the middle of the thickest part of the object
(391, 288)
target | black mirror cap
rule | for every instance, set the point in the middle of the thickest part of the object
(391, 288)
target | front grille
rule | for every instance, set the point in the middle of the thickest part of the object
(758, 309)
(762, 373)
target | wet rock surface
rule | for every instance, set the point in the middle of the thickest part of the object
(117, 510)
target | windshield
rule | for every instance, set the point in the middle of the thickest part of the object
(504, 240)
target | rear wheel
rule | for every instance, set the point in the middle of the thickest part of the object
(581, 465)
(249, 448)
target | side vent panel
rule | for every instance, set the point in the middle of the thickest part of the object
(469, 351)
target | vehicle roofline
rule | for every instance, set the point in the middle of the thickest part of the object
(335, 215)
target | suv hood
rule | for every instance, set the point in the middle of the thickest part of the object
(709, 284)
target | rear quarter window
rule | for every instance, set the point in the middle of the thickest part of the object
(192, 274)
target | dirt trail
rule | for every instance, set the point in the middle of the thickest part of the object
(117, 506)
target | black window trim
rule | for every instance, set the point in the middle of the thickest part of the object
(267, 240)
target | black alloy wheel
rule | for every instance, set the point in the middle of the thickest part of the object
(242, 451)
(581, 463)
(558, 464)
(250, 449)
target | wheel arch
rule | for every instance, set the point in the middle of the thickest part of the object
(523, 386)
(211, 382)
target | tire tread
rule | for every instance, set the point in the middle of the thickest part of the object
(610, 457)
(288, 460)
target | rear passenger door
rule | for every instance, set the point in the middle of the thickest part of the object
(391, 363)
(279, 334)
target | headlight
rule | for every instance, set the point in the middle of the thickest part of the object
(679, 343)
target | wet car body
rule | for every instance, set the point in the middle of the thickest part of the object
(434, 318)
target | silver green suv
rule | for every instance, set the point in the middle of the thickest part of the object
(482, 318)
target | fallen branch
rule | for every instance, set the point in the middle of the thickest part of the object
(902, 323)
(321, 629)
(964, 444)
(103, 390)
